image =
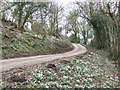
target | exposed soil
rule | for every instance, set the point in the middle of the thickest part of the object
(64, 61)
(53, 66)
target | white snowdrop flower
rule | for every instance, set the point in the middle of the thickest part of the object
(77, 61)
(52, 83)
(68, 66)
(78, 80)
(89, 55)
(85, 69)
(76, 85)
(40, 74)
(87, 62)
(55, 73)
(92, 86)
(92, 53)
(65, 77)
(49, 72)
(90, 79)
(47, 86)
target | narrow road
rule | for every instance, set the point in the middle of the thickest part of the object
(27, 61)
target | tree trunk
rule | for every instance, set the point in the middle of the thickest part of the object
(119, 44)
(26, 17)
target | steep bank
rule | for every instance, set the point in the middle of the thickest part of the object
(18, 44)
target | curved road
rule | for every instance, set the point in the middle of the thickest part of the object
(27, 61)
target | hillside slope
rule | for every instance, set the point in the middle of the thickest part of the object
(16, 43)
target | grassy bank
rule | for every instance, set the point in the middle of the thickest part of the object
(18, 44)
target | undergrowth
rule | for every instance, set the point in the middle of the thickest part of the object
(17, 44)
